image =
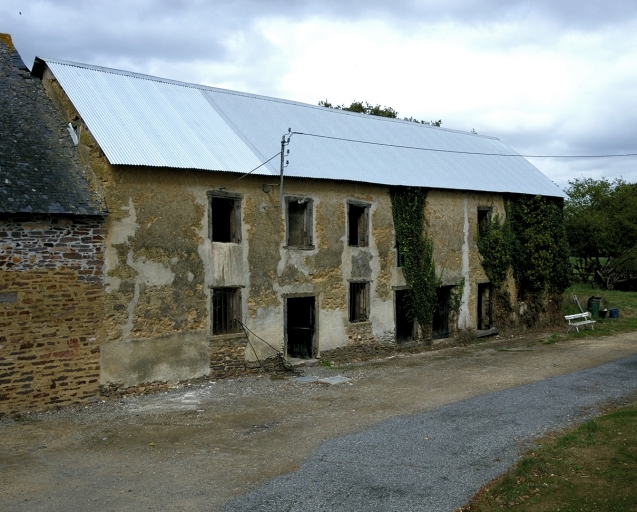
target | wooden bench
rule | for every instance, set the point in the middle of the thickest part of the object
(578, 320)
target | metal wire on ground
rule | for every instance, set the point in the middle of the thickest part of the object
(278, 353)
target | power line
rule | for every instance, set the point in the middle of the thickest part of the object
(457, 152)
(248, 173)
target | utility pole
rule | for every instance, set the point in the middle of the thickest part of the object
(281, 171)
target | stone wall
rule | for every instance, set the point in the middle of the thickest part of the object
(51, 306)
(357, 352)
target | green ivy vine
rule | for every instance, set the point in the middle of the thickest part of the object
(494, 246)
(532, 242)
(416, 249)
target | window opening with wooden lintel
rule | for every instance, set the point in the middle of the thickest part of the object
(225, 217)
(484, 215)
(485, 306)
(400, 256)
(226, 310)
(359, 301)
(299, 222)
(300, 327)
(406, 326)
(357, 224)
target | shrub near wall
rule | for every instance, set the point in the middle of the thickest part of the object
(51, 306)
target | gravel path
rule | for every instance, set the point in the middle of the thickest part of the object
(435, 461)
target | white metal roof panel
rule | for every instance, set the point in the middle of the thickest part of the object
(449, 166)
(141, 120)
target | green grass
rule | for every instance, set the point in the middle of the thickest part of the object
(326, 363)
(593, 468)
(625, 301)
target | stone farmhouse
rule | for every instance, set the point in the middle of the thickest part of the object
(51, 250)
(219, 252)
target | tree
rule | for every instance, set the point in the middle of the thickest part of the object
(601, 223)
(362, 107)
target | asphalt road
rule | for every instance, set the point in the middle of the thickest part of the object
(437, 460)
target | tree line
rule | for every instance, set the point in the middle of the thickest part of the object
(600, 217)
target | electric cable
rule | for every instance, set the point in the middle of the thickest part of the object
(248, 173)
(454, 151)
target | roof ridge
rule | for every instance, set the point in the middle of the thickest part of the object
(261, 97)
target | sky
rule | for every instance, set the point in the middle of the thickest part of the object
(548, 77)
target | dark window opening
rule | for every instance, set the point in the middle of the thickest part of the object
(299, 222)
(440, 321)
(357, 222)
(485, 309)
(226, 310)
(484, 215)
(405, 321)
(225, 219)
(358, 298)
(400, 256)
(300, 314)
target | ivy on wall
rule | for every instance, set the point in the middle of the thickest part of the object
(494, 247)
(416, 249)
(532, 242)
(539, 248)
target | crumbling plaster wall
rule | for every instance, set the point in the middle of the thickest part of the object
(160, 265)
(277, 271)
(452, 221)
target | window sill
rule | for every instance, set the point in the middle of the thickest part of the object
(300, 247)
(229, 336)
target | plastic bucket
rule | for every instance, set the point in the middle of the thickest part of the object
(613, 313)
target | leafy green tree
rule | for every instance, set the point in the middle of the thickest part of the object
(601, 224)
(362, 107)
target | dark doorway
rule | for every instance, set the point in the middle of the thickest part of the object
(405, 323)
(485, 309)
(440, 321)
(300, 314)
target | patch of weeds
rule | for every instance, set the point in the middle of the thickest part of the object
(555, 338)
(278, 377)
(466, 337)
(24, 419)
(325, 363)
(592, 468)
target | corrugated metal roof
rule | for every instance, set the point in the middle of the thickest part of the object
(141, 120)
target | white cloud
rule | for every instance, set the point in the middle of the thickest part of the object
(546, 77)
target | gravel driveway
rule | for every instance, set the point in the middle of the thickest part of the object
(419, 432)
(438, 460)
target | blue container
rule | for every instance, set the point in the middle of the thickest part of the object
(613, 313)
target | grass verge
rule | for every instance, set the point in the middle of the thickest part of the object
(625, 301)
(593, 468)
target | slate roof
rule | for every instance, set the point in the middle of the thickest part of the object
(143, 120)
(40, 170)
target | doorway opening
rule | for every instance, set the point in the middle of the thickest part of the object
(405, 322)
(300, 327)
(485, 309)
(440, 320)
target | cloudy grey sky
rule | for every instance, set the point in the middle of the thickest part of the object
(545, 76)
